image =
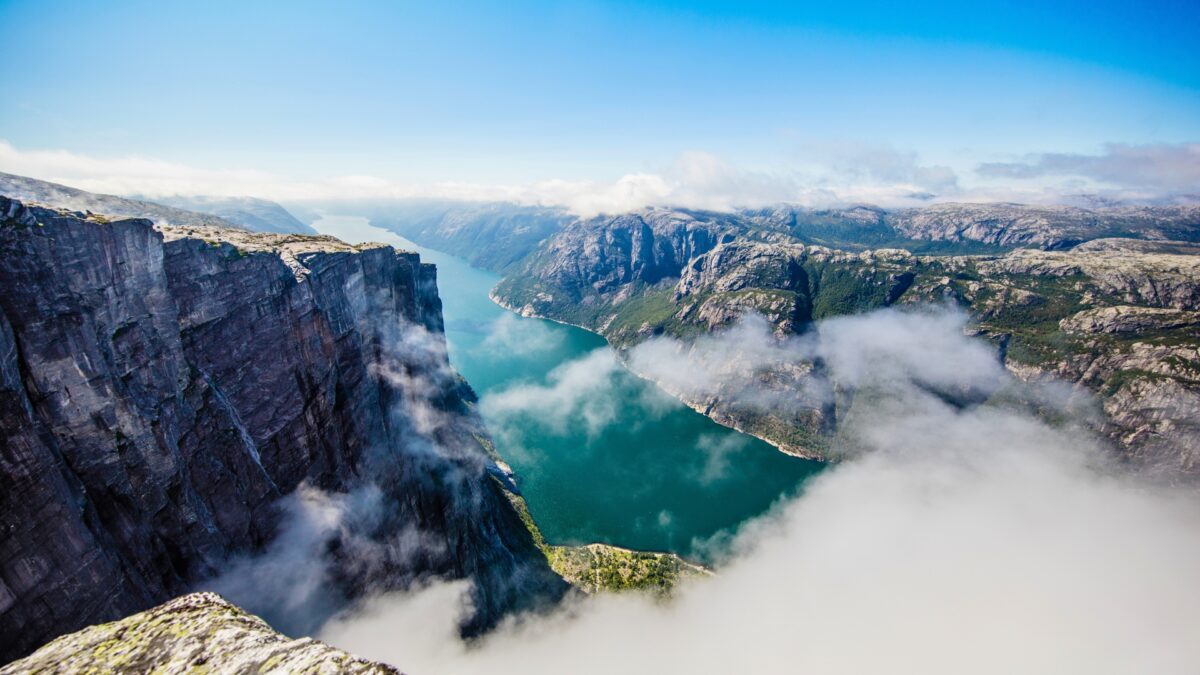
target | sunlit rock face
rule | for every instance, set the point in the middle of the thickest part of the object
(1115, 318)
(195, 633)
(163, 389)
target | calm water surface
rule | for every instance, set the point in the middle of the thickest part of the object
(600, 454)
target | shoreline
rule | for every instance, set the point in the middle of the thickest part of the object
(665, 388)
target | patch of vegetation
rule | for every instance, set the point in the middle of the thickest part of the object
(947, 248)
(599, 568)
(522, 508)
(1033, 323)
(845, 289)
(602, 568)
(1122, 378)
(654, 308)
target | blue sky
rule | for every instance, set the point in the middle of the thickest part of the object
(520, 92)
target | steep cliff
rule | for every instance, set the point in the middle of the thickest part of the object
(195, 633)
(1116, 316)
(162, 390)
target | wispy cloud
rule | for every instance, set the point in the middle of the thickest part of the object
(815, 174)
(509, 334)
(963, 538)
(1161, 167)
(580, 393)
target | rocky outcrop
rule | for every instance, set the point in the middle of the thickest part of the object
(162, 390)
(644, 248)
(1154, 279)
(195, 633)
(1046, 227)
(1118, 244)
(1117, 317)
(1128, 319)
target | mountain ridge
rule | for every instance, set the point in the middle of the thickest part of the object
(250, 213)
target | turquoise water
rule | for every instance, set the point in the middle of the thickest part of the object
(600, 455)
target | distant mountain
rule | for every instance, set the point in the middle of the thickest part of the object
(251, 213)
(499, 236)
(248, 213)
(32, 190)
(491, 235)
(977, 228)
(200, 632)
(1045, 227)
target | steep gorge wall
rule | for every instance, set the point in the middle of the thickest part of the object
(160, 394)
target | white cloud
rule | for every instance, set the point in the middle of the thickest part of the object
(875, 168)
(580, 392)
(509, 334)
(720, 455)
(1161, 167)
(819, 175)
(964, 539)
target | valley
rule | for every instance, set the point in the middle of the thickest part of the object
(613, 459)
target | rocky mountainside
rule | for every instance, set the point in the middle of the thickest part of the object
(1046, 227)
(499, 236)
(195, 633)
(491, 236)
(1115, 316)
(164, 388)
(253, 214)
(950, 228)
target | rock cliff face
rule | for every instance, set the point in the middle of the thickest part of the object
(1117, 316)
(163, 389)
(195, 633)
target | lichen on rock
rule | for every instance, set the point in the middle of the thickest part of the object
(196, 633)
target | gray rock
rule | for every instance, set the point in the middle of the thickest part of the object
(1128, 319)
(200, 632)
(161, 392)
(1047, 227)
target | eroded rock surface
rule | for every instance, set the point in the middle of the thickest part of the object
(200, 632)
(161, 391)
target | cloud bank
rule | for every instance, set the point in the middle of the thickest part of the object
(962, 537)
(1156, 167)
(826, 174)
